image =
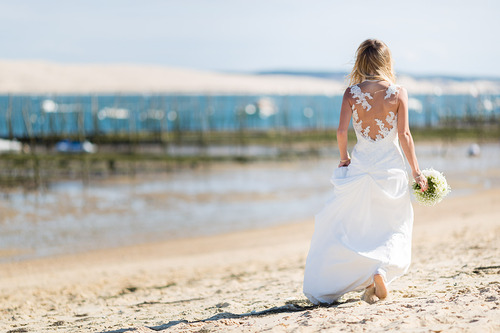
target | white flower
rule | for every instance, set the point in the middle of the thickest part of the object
(438, 188)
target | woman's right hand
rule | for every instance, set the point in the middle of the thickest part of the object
(344, 163)
(421, 180)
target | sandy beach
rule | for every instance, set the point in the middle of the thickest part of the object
(251, 281)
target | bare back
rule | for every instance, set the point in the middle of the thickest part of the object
(374, 106)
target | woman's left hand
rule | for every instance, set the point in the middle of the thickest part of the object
(421, 180)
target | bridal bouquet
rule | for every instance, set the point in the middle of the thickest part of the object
(437, 190)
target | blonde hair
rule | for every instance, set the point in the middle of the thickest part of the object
(373, 62)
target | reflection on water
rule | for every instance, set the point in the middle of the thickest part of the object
(70, 217)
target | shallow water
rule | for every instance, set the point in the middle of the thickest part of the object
(71, 217)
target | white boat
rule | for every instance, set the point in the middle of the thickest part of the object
(10, 146)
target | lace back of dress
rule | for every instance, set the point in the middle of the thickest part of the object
(374, 109)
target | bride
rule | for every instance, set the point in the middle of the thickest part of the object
(362, 237)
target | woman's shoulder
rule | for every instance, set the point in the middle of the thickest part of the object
(401, 96)
(349, 91)
(396, 92)
(352, 91)
(402, 93)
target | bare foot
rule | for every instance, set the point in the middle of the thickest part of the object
(380, 287)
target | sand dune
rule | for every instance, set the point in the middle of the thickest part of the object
(41, 77)
(46, 77)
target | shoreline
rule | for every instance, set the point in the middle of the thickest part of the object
(206, 242)
(244, 238)
(75, 232)
(217, 282)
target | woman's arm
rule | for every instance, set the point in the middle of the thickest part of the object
(407, 140)
(345, 118)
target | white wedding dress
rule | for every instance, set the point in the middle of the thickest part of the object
(366, 228)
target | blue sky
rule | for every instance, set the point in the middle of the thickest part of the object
(426, 37)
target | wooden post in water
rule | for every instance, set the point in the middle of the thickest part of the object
(286, 140)
(138, 124)
(94, 109)
(209, 113)
(177, 120)
(50, 117)
(63, 120)
(29, 130)
(240, 114)
(198, 110)
(43, 133)
(163, 124)
(453, 123)
(80, 120)
(9, 118)
(132, 140)
(133, 135)
(82, 138)
(188, 117)
(157, 118)
(479, 115)
(115, 120)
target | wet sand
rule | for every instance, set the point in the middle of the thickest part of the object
(251, 281)
(73, 216)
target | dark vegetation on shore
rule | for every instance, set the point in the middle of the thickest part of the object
(148, 153)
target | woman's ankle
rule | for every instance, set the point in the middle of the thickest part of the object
(380, 286)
